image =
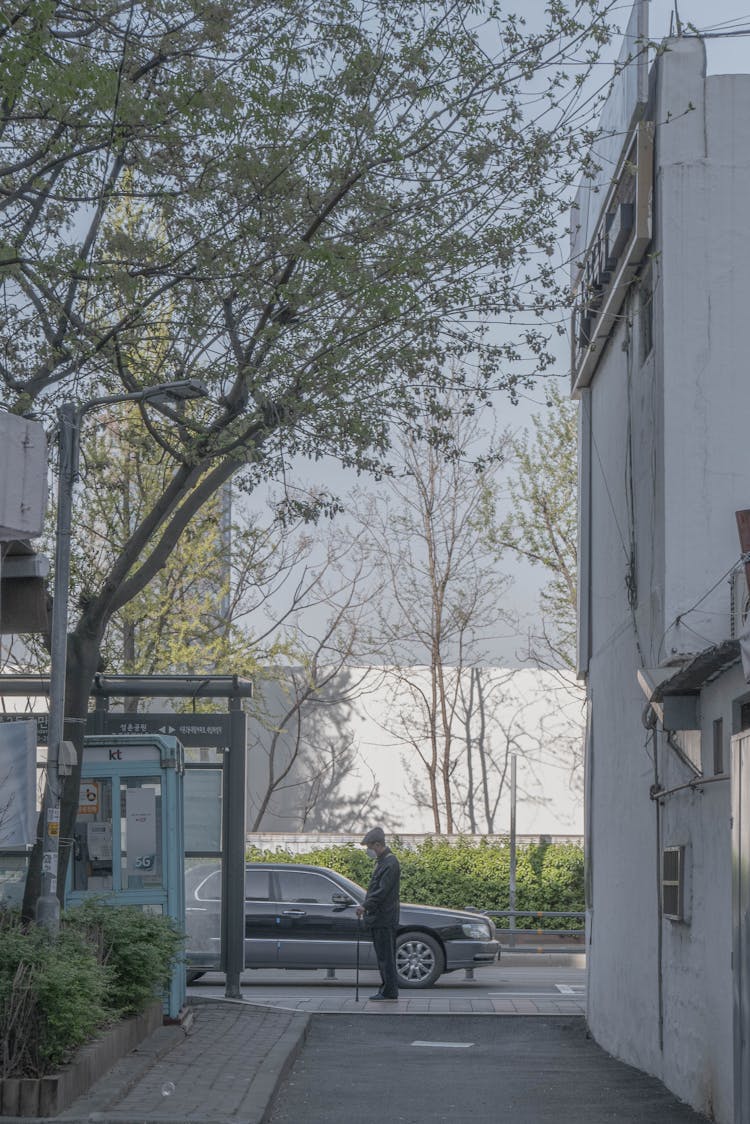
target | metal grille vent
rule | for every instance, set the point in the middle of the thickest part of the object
(672, 883)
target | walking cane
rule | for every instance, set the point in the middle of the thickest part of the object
(356, 977)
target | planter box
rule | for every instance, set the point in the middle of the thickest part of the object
(47, 1096)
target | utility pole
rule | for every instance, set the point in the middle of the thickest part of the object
(48, 905)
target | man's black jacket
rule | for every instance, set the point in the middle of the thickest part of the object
(382, 901)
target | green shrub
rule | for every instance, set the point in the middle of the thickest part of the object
(138, 949)
(52, 997)
(464, 873)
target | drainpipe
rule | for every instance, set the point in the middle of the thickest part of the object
(660, 927)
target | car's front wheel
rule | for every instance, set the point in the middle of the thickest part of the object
(419, 960)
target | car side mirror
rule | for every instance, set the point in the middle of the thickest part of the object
(341, 899)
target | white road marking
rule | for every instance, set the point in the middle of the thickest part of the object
(528, 995)
(445, 1045)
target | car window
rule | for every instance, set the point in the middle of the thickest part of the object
(257, 885)
(350, 887)
(210, 888)
(305, 886)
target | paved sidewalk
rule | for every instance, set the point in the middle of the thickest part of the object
(572, 1003)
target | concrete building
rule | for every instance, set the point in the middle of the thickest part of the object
(660, 366)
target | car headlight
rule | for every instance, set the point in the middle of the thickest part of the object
(478, 930)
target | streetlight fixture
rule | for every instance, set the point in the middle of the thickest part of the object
(60, 759)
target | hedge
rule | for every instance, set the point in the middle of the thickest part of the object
(57, 992)
(549, 876)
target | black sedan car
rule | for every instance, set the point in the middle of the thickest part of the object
(305, 917)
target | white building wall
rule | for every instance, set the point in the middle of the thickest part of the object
(669, 468)
(357, 728)
(702, 192)
(623, 1012)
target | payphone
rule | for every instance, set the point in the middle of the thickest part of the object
(128, 839)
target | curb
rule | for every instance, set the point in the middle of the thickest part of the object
(264, 1087)
(542, 959)
(272, 1075)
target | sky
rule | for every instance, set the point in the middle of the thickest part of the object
(727, 52)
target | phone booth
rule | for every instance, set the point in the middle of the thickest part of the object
(128, 837)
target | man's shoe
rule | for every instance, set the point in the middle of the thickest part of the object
(377, 995)
(383, 998)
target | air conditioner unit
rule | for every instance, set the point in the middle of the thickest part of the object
(739, 606)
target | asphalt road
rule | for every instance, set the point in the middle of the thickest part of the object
(460, 1069)
(277, 987)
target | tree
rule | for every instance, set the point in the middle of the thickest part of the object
(486, 771)
(300, 746)
(504, 717)
(542, 525)
(443, 596)
(337, 200)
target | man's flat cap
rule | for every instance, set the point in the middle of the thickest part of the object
(374, 835)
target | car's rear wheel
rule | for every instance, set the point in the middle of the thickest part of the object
(419, 960)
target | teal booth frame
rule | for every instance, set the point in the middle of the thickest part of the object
(145, 756)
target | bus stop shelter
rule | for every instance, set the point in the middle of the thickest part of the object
(215, 744)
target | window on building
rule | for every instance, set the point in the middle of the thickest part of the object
(718, 739)
(745, 715)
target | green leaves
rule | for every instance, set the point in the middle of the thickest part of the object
(384, 173)
(463, 873)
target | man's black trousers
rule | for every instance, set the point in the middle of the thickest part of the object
(384, 940)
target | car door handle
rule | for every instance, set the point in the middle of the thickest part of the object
(294, 912)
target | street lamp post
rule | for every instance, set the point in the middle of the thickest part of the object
(70, 417)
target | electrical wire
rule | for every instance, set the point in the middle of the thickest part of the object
(743, 560)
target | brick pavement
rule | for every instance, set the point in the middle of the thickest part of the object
(409, 1005)
(223, 1070)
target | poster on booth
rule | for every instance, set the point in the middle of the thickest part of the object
(88, 798)
(140, 813)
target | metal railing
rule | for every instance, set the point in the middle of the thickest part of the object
(512, 932)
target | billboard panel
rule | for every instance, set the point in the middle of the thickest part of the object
(17, 784)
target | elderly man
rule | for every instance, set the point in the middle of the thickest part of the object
(380, 910)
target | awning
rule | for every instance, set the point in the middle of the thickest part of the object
(673, 689)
